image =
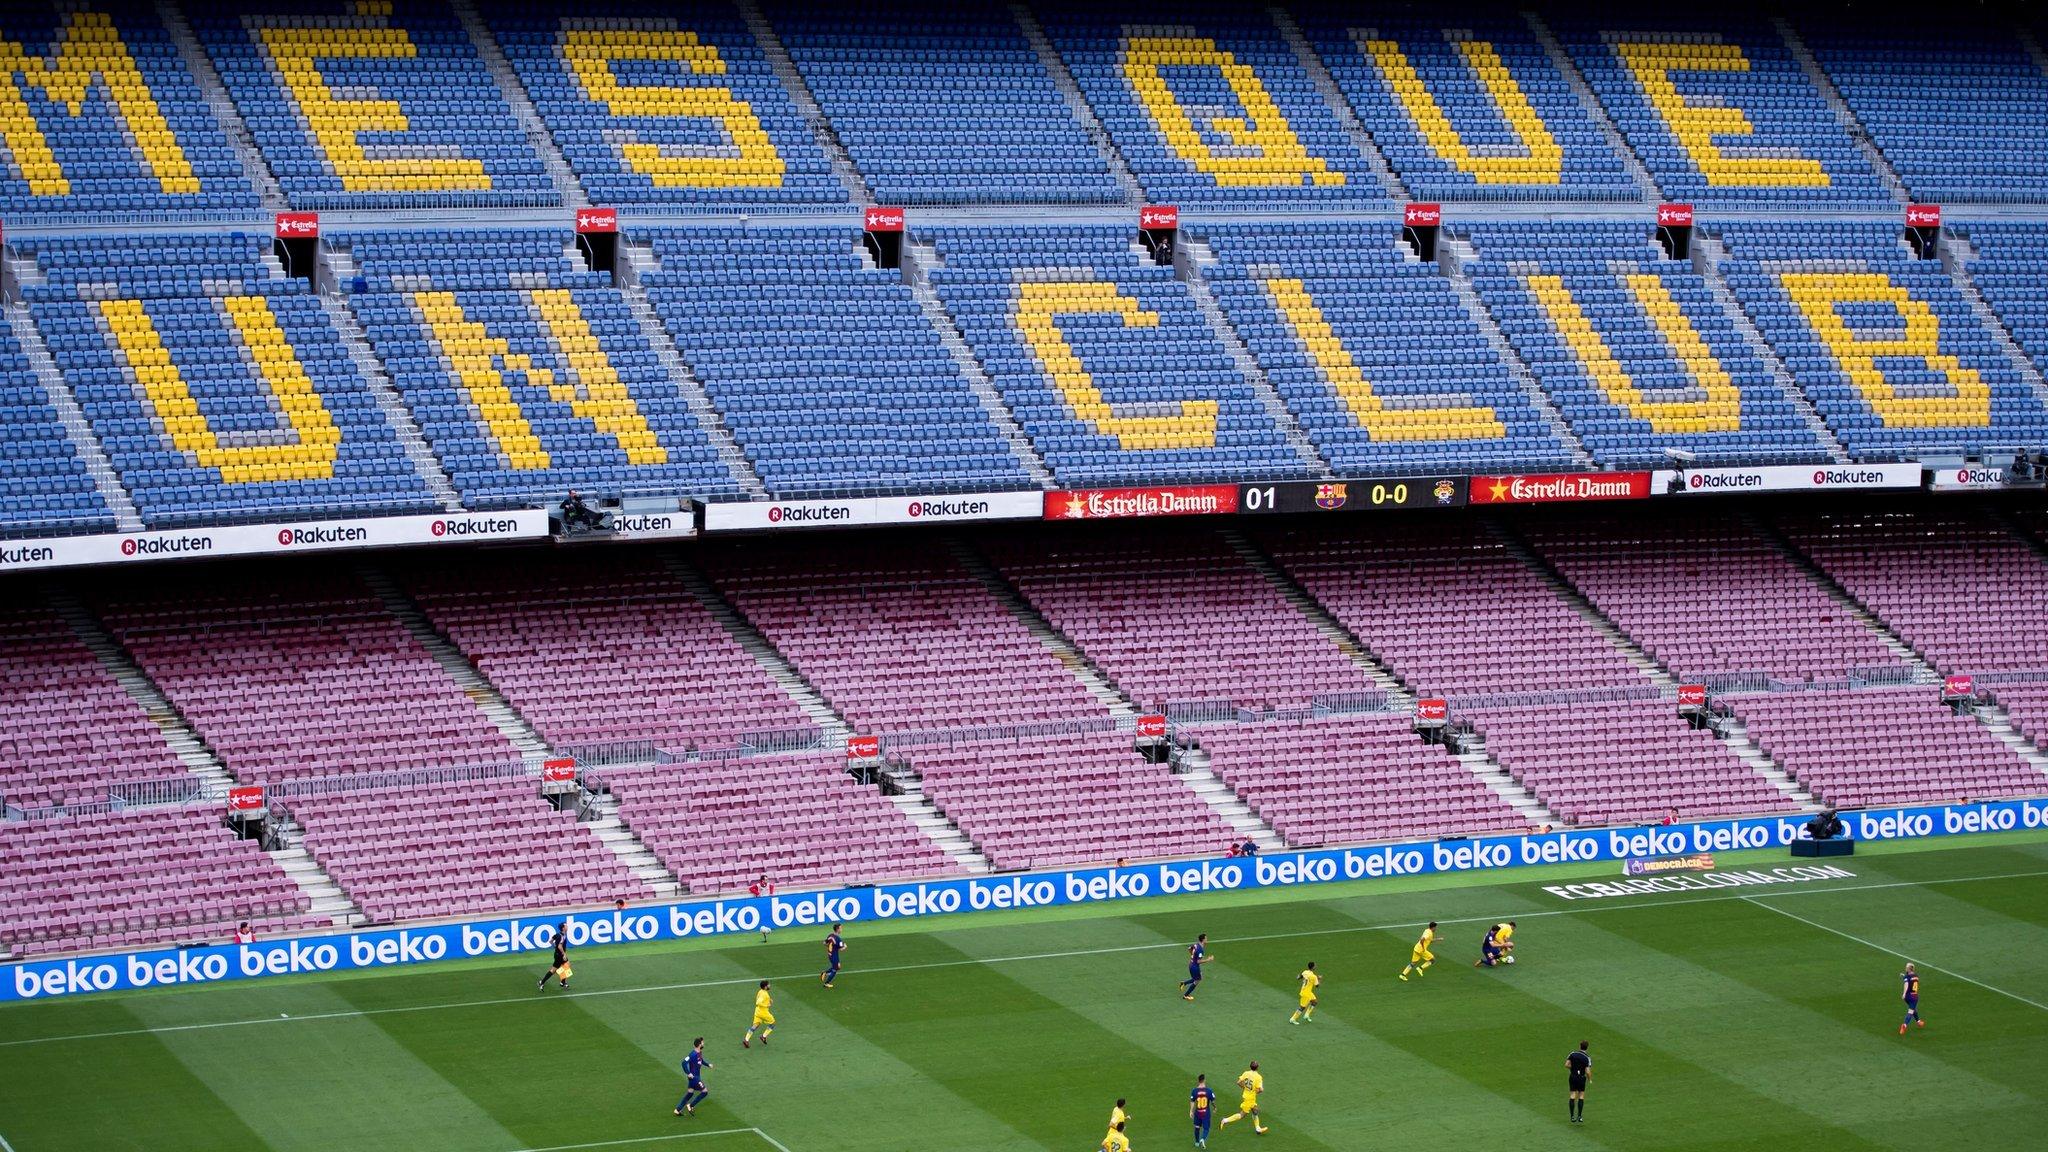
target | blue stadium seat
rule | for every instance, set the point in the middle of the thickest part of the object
(527, 373)
(1210, 107)
(1960, 110)
(1887, 347)
(1719, 111)
(1105, 359)
(388, 107)
(2011, 270)
(1475, 112)
(44, 486)
(110, 122)
(951, 108)
(1634, 349)
(1374, 353)
(219, 389)
(657, 103)
(858, 395)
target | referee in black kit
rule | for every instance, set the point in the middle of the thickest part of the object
(1579, 1065)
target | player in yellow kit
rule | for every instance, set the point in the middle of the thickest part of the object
(764, 1020)
(1306, 1009)
(1116, 1141)
(1253, 1084)
(1421, 958)
(1117, 1116)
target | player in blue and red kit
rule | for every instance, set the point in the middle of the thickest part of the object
(834, 945)
(693, 1066)
(1911, 995)
(1198, 955)
(1201, 1106)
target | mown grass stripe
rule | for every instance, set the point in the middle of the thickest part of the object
(1901, 955)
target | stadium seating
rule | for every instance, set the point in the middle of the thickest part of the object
(1016, 801)
(44, 486)
(143, 877)
(389, 106)
(1351, 779)
(1451, 612)
(1966, 594)
(1105, 359)
(1719, 110)
(102, 121)
(2011, 271)
(219, 388)
(1887, 347)
(1209, 106)
(1474, 111)
(796, 817)
(416, 851)
(1621, 761)
(1884, 746)
(1005, 134)
(1713, 601)
(67, 730)
(310, 677)
(529, 375)
(618, 656)
(860, 396)
(2026, 704)
(1174, 619)
(1427, 394)
(902, 643)
(1958, 107)
(664, 104)
(1634, 348)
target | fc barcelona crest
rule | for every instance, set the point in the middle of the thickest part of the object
(1330, 497)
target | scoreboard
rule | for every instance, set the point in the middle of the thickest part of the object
(1353, 495)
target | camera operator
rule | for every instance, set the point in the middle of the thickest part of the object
(576, 514)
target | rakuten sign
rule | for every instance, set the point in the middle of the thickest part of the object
(1785, 478)
(758, 516)
(257, 539)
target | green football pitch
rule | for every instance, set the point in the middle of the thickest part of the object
(1745, 1018)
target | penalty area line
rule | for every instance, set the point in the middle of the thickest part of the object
(654, 1140)
(643, 989)
(1889, 952)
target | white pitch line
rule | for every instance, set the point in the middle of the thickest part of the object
(6, 1147)
(777, 1144)
(654, 1140)
(1900, 955)
(360, 1013)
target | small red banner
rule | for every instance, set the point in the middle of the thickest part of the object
(1674, 215)
(245, 799)
(298, 225)
(1692, 695)
(1432, 710)
(1423, 215)
(1151, 727)
(1119, 503)
(558, 771)
(1923, 215)
(1956, 687)
(1571, 487)
(863, 747)
(596, 220)
(1159, 216)
(884, 220)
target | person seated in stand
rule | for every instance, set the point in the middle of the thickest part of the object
(576, 514)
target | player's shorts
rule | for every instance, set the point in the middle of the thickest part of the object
(1913, 1002)
(696, 1084)
(1195, 973)
(1308, 1001)
(1250, 1103)
(764, 1019)
(1490, 951)
(1418, 955)
(1578, 1082)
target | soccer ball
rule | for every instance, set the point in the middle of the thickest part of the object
(1509, 959)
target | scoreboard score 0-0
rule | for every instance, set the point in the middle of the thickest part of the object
(1353, 495)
